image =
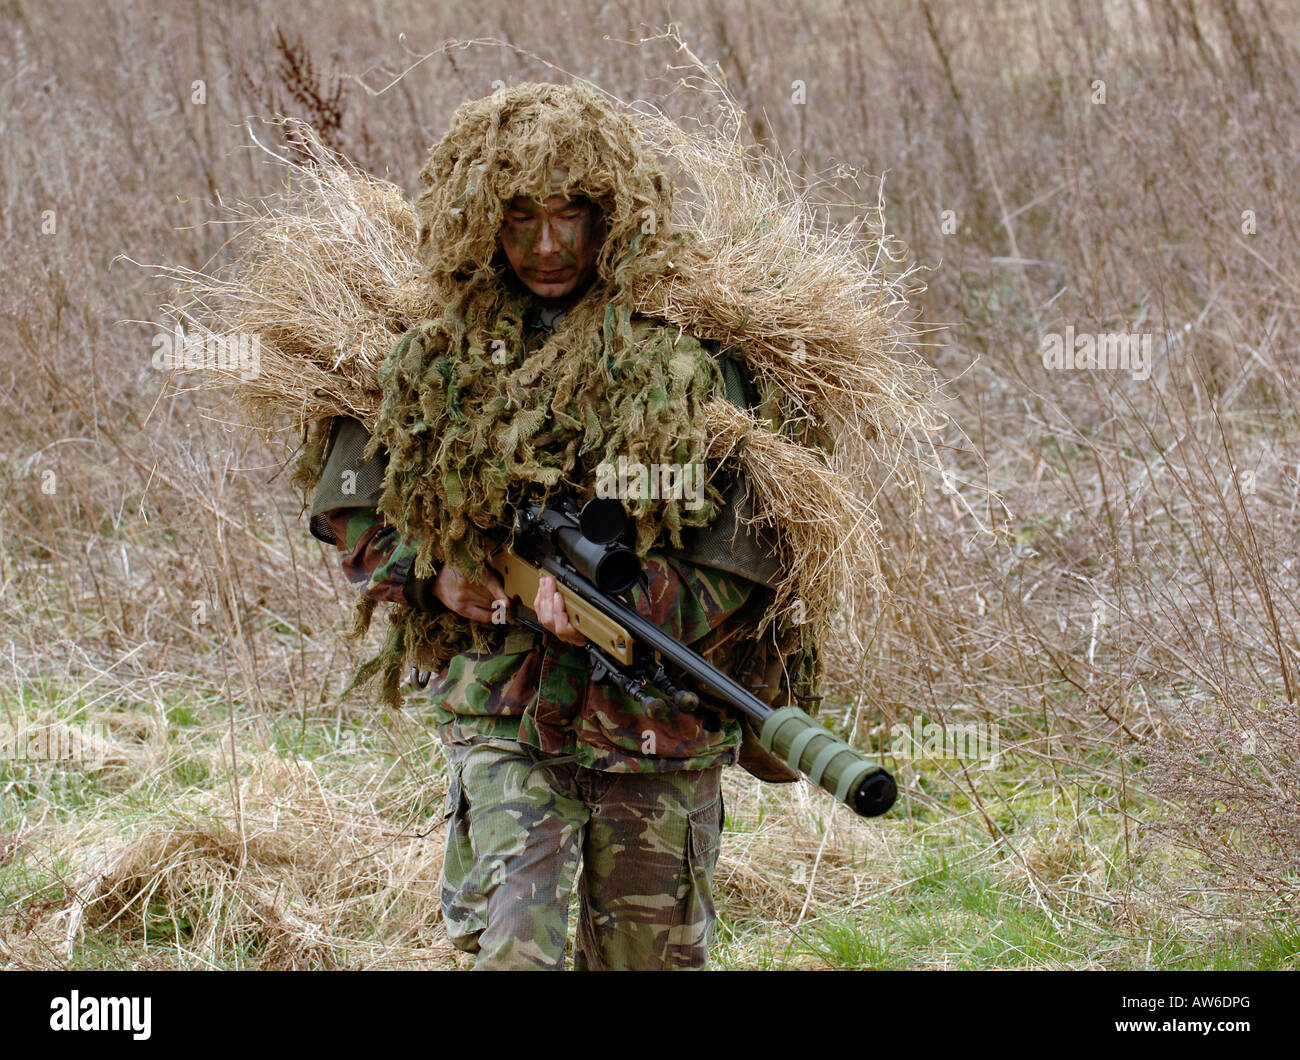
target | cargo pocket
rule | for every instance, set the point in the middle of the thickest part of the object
(705, 835)
(695, 912)
(454, 803)
(462, 911)
(458, 857)
(451, 802)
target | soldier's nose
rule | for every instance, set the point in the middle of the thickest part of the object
(547, 244)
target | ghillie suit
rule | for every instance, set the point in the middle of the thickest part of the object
(472, 421)
(803, 379)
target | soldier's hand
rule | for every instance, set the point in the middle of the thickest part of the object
(472, 599)
(551, 613)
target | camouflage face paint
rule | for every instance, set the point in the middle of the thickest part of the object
(552, 246)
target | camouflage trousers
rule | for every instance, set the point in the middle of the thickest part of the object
(518, 826)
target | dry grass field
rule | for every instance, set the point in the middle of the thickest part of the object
(1101, 573)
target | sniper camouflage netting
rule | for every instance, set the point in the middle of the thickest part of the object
(472, 421)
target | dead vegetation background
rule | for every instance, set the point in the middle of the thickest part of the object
(1103, 567)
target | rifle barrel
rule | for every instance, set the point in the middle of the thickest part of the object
(787, 732)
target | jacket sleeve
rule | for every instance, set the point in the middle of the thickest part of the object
(378, 559)
(731, 543)
(734, 542)
(343, 513)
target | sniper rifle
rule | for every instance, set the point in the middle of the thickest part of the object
(580, 549)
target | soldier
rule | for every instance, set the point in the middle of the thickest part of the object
(550, 771)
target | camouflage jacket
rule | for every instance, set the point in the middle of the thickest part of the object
(537, 689)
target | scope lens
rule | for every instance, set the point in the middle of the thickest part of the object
(602, 520)
(617, 571)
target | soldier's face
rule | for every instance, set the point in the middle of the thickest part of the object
(552, 246)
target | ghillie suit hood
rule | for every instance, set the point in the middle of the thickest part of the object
(474, 423)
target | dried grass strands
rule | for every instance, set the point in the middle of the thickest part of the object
(298, 872)
(833, 538)
(811, 311)
(323, 279)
